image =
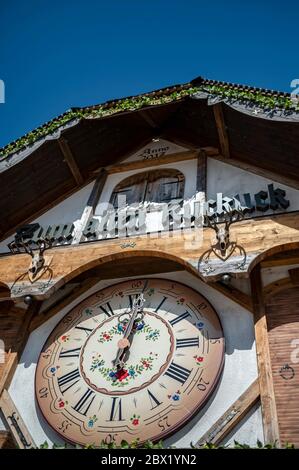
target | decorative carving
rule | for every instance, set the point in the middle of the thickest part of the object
(26, 242)
(224, 247)
(287, 372)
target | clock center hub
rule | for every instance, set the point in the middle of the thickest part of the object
(150, 350)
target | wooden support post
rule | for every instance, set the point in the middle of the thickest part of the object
(222, 130)
(15, 422)
(20, 341)
(235, 413)
(234, 294)
(269, 412)
(70, 160)
(88, 211)
(201, 180)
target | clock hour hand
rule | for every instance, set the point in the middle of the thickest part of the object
(125, 343)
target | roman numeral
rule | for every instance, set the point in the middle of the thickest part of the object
(65, 382)
(83, 328)
(131, 298)
(85, 402)
(187, 343)
(180, 318)
(107, 310)
(178, 373)
(116, 409)
(154, 401)
(70, 353)
(160, 304)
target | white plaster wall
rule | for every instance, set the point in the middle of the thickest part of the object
(230, 180)
(243, 284)
(69, 210)
(240, 369)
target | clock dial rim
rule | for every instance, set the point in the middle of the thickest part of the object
(190, 414)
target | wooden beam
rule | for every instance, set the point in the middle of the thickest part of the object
(88, 211)
(235, 413)
(46, 208)
(144, 114)
(234, 294)
(76, 292)
(269, 412)
(201, 180)
(281, 259)
(174, 157)
(222, 130)
(8, 370)
(15, 422)
(70, 160)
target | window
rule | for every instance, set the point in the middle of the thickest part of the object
(152, 186)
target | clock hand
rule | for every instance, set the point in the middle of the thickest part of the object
(124, 343)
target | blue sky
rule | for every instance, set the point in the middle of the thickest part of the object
(58, 54)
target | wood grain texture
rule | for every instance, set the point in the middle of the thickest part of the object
(70, 160)
(259, 237)
(234, 294)
(282, 311)
(135, 165)
(269, 412)
(222, 130)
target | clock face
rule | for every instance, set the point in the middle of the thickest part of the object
(171, 361)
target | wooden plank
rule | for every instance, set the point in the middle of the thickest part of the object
(282, 312)
(70, 160)
(234, 294)
(47, 314)
(222, 130)
(88, 211)
(282, 260)
(269, 412)
(172, 158)
(6, 374)
(260, 238)
(15, 422)
(235, 413)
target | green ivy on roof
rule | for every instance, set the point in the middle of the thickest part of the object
(260, 97)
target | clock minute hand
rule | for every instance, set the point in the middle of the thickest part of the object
(137, 308)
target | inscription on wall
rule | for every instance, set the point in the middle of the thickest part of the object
(132, 220)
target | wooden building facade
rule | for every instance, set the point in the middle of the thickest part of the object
(149, 271)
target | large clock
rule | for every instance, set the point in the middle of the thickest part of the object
(102, 376)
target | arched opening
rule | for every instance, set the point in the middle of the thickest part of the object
(159, 186)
